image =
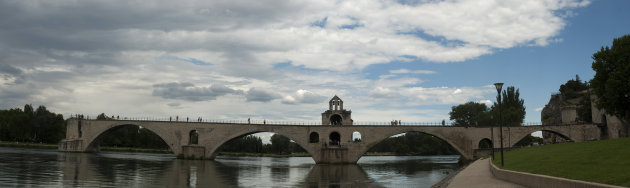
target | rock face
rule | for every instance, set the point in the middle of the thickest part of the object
(560, 111)
(551, 114)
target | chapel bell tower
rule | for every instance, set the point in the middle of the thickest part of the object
(336, 115)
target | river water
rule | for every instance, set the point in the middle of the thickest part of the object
(22, 167)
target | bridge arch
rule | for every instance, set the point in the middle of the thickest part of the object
(213, 147)
(519, 136)
(94, 142)
(374, 140)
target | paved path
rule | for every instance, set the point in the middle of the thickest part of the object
(478, 174)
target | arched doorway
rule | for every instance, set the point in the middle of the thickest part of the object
(335, 119)
(485, 143)
(603, 128)
(335, 139)
(313, 138)
(193, 137)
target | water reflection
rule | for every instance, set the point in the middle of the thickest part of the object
(338, 176)
(49, 168)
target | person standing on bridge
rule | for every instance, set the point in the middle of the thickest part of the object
(248, 121)
(264, 121)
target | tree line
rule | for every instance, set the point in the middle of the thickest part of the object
(415, 143)
(32, 125)
(253, 144)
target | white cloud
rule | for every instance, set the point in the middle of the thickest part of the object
(539, 109)
(407, 71)
(487, 102)
(304, 97)
(220, 56)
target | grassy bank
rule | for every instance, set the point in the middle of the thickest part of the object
(604, 161)
(27, 145)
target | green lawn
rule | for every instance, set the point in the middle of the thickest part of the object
(605, 161)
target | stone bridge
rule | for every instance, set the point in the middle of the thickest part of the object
(330, 142)
(85, 135)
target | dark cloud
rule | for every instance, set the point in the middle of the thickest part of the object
(188, 91)
(10, 74)
(114, 25)
(261, 95)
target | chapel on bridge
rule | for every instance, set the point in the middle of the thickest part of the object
(336, 115)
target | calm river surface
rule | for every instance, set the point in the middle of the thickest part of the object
(20, 167)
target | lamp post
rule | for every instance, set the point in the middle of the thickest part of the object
(499, 86)
(492, 139)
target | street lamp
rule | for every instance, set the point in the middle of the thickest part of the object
(492, 138)
(499, 86)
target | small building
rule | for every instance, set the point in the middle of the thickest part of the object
(336, 115)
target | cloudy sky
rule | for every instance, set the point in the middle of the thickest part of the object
(283, 60)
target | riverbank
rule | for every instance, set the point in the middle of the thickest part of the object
(27, 145)
(54, 146)
(602, 161)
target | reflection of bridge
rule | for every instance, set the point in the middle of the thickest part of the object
(330, 143)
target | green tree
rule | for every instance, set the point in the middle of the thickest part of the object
(31, 125)
(28, 110)
(248, 144)
(571, 89)
(102, 116)
(470, 114)
(279, 144)
(414, 143)
(512, 108)
(611, 82)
